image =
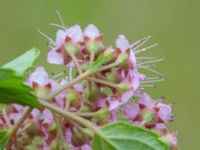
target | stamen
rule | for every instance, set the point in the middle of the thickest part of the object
(57, 25)
(139, 43)
(103, 82)
(152, 61)
(152, 70)
(153, 81)
(46, 36)
(60, 17)
(138, 58)
(148, 85)
(146, 48)
(55, 76)
(154, 78)
(148, 66)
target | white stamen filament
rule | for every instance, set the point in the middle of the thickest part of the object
(139, 43)
(46, 36)
(146, 48)
(60, 17)
(152, 61)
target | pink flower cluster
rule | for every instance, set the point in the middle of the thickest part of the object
(109, 95)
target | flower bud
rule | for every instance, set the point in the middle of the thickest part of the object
(30, 147)
(53, 128)
(109, 52)
(93, 46)
(84, 66)
(72, 48)
(88, 133)
(33, 130)
(41, 92)
(122, 59)
(148, 117)
(23, 141)
(102, 116)
(91, 92)
(73, 97)
(54, 145)
(113, 77)
(82, 136)
(85, 108)
(37, 141)
(123, 87)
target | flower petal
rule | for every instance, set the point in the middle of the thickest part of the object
(91, 31)
(60, 38)
(122, 43)
(40, 76)
(131, 111)
(75, 33)
(55, 57)
(165, 112)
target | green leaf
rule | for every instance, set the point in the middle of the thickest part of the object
(24, 62)
(99, 62)
(13, 90)
(123, 136)
(4, 138)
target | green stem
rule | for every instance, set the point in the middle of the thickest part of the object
(20, 122)
(89, 114)
(60, 130)
(104, 82)
(70, 115)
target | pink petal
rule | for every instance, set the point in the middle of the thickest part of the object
(113, 116)
(40, 76)
(60, 38)
(1, 122)
(122, 43)
(116, 103)
(126, 96)
(60, 100)
(35, 113)
(79, 87)
(15, 117)
(131, 111)
(68, 135)
(55, 57)
(165, 112)
(135, 80)
(17, 107)
(86, 147)
(132, 58)
(101, 103)
(75, 33)
(91, 31)
(147, 101)
(47, 116)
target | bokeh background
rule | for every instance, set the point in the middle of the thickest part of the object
(174, 23)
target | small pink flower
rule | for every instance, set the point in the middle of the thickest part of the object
(165, 112)
(122, 43)
(91, 31)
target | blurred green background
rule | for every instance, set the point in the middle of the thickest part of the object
(173, 23)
